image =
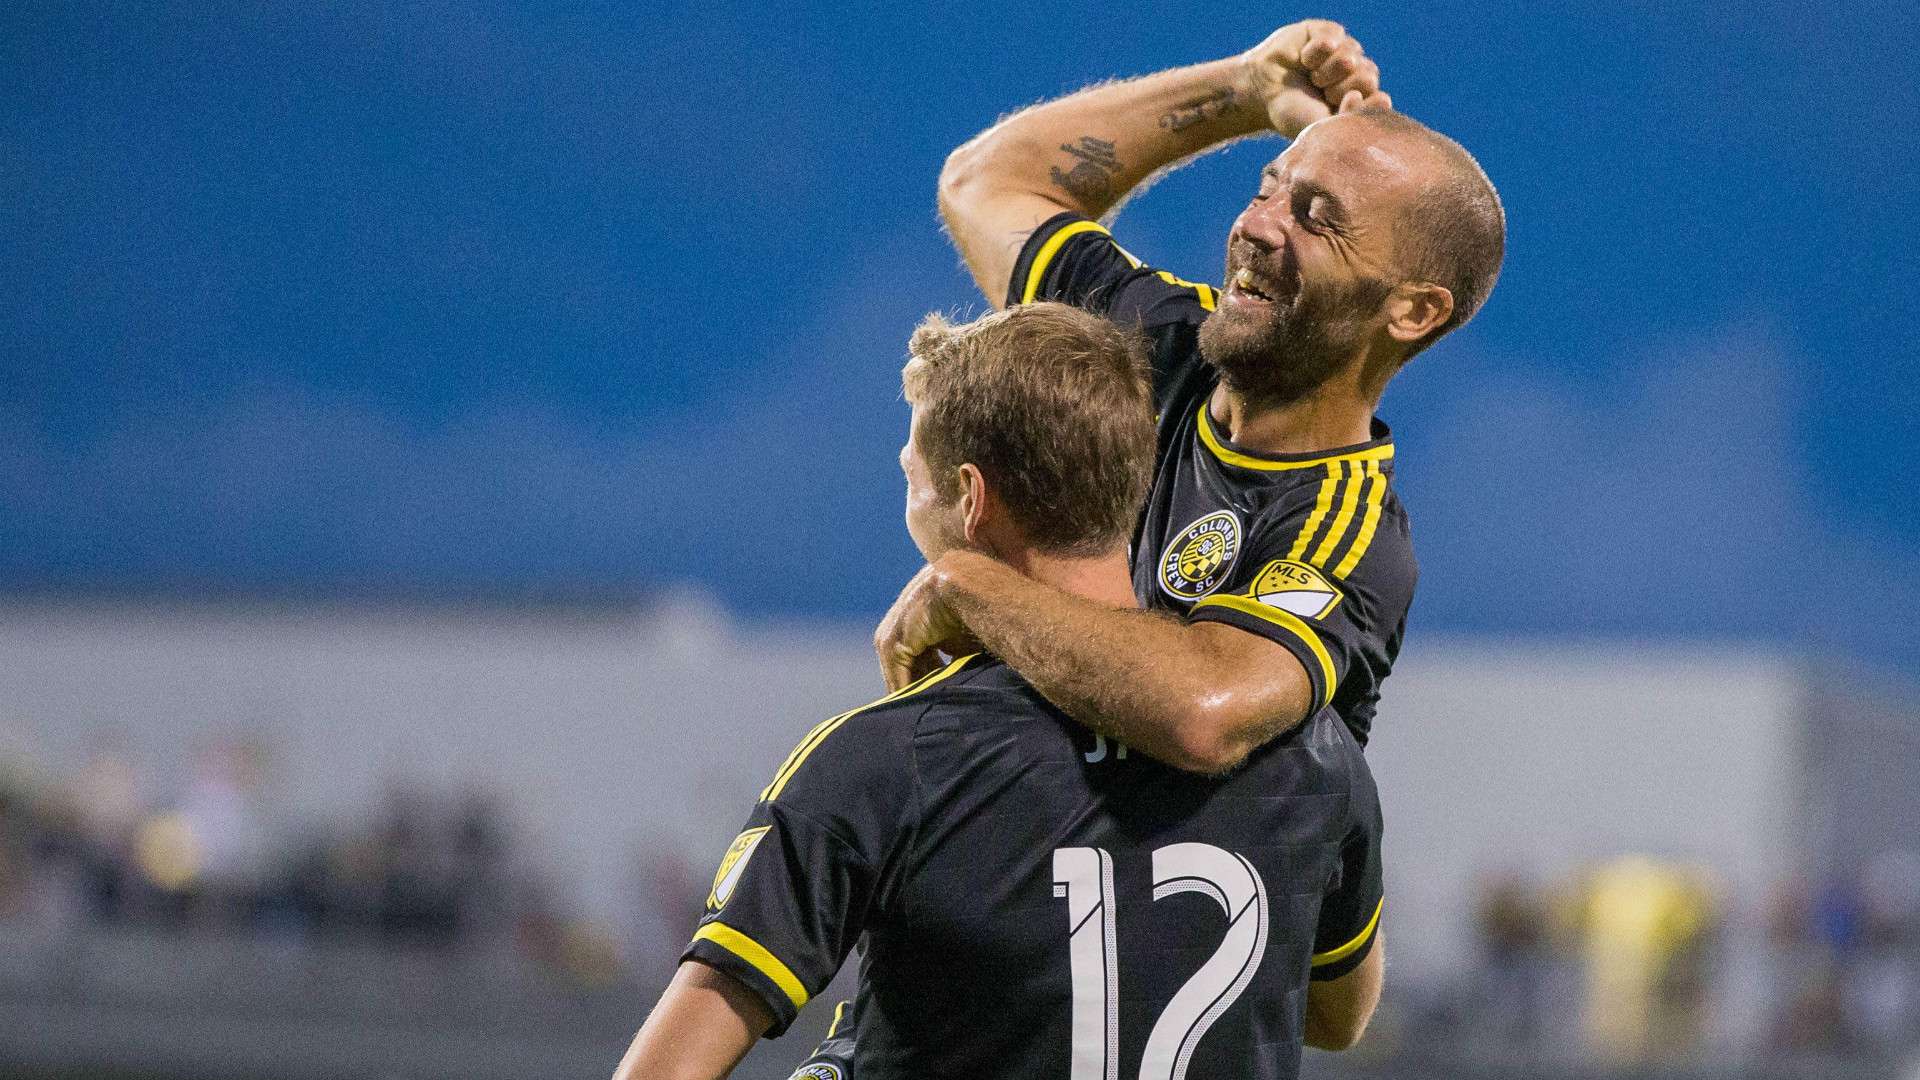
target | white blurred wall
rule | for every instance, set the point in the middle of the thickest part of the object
(1500, 757)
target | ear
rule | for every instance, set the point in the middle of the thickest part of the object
(1416, 309)
(973, 503)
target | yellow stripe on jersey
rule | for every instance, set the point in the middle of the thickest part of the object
(1349, 500)
(1320, 507)
(1335, 955)
(1248, 461)
(839, 1012)
(1204, 292)
(1044, 257)
(757, 955)
(1287, 621)
(828, 726)
(1376, 499)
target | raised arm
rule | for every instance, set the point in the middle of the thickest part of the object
(1199, 696)
(1086, 152)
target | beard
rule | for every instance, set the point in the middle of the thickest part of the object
(1297, 346)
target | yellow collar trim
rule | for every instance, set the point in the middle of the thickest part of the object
(1248, 461)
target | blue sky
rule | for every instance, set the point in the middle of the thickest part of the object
(499, 298)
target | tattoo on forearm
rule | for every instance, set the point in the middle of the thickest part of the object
(1091, 178)
(1214, 105)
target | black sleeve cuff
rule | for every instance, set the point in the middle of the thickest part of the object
(1343, 958)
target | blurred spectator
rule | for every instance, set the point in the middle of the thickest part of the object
(1512, 926)
(1644, 927)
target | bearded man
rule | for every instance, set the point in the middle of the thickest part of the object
(1273, 557)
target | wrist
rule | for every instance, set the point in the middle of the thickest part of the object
(1243, 109)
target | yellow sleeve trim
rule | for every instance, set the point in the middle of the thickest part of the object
(832, 723)
(1044, 257)
(1287, 621)
(756, 954)
(1334, 956)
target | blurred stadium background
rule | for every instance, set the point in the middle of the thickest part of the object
(447, 457)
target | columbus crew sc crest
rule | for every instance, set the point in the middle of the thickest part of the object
(1197, 560)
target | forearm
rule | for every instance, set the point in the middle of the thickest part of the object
(1144, 678)
(1338, 1011)
(1085, 152)
(704, 1024)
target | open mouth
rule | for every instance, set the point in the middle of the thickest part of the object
(1246, 285)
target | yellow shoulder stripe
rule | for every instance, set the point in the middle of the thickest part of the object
(1248, 461)
(1335, 955)
(828, 726)
(1204, 292)
(1044, 257)
(1349, 500)
(1287, 621)
(1376, 498)
(1321, 504)
(757, 955)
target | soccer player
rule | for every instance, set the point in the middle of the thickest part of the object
(1273, 550)
(1037, 905)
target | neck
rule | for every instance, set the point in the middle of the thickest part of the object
(1103, 579)
(1337, 413)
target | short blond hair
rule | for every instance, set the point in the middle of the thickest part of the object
(1053, 405)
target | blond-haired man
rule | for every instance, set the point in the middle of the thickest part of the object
(1036, 903)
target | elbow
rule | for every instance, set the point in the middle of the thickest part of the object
(960, 180)
(1338, 1029)
(1211, 739)
(1335, 1037)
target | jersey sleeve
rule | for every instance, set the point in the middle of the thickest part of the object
(1350, 913)
(795, 888)
(1074, 260)
(1330, 580)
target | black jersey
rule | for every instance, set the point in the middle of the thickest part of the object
(1309, 550)
(1036, 903)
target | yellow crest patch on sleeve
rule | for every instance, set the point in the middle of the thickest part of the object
(1296, 587)
(732, 865)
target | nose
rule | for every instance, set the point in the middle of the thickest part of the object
(1259, 228)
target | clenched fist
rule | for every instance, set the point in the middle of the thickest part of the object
(1307, 72)
(916, 630)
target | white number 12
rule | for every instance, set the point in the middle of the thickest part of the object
(1084, 877)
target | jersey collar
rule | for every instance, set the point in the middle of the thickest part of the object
(1379, 448)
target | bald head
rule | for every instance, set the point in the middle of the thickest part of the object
(1452, 231)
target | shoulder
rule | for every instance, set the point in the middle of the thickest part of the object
(1340, 516)
(862, 748)
(1075, 260)
(982, 690)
